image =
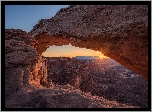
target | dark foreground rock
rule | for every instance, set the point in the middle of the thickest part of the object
(58, 97)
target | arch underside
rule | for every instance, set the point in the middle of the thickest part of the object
(118, 32)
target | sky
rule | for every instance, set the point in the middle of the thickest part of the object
(70, 51)
(26, 16)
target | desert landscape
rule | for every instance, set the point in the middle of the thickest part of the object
(120, 32)
(75, 83)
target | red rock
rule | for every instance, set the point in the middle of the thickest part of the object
(118, 31)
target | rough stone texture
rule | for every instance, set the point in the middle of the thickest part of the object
(117, 83)
(102, 77)
(114, 85)
(18, 51)
(19, 35)
(58, 97)
(118, 31)
(21, 60)
(75, 72)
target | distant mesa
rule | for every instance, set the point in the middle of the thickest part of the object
(87, 57)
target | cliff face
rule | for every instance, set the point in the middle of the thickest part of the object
(118, 31)
(68, 71)
(22, 62)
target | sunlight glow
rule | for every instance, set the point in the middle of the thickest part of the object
(70, 51)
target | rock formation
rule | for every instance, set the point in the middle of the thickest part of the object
(75, 72)
(118, 31)
(67, 97)
(22, 62)
(109, 83)
(105, 78)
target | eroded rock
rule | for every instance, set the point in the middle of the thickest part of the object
(101, 77)
(21, 60)
(118, 31)
(75, 72)
(67, 97)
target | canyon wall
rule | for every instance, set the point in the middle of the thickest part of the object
(118, 31)
(22, 62)
(75, 72)
(101, 77)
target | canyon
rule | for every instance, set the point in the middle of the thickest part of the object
(101, 77)
(119, 32)
(100, 80)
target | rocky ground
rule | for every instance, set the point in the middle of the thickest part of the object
(58, 97)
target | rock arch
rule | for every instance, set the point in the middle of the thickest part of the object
(118, 31)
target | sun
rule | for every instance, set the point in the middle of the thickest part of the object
(101, 57)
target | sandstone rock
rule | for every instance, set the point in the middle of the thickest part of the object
(19, 35)
(118, 31)
(69, 71)
(20, 60)
(68, 97)
(18, 54)
(105, 78)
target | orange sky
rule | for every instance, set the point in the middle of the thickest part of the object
(70, 51)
